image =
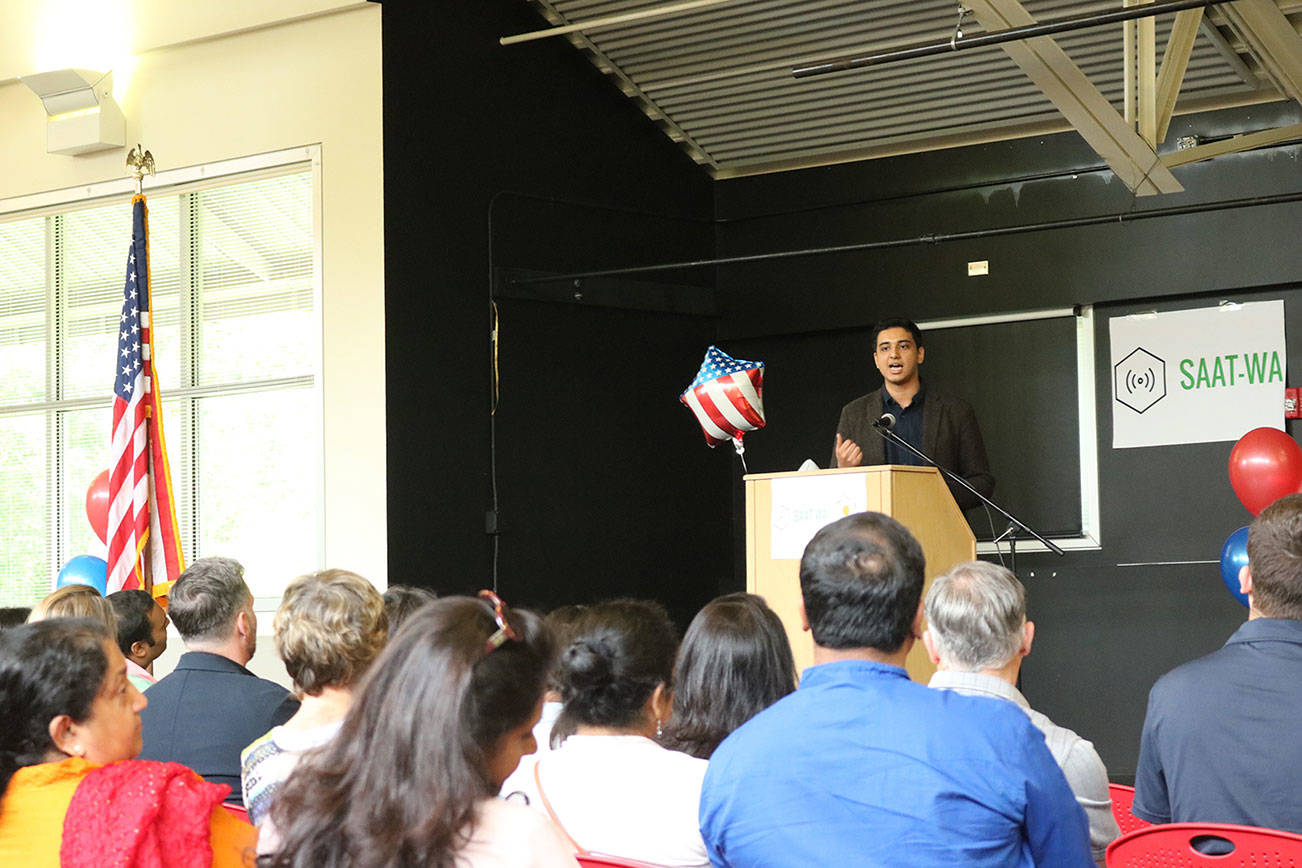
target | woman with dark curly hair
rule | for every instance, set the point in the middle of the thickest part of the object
(608, 785)
(735, 661)
(440, 720)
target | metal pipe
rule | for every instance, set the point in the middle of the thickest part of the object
(1047, 28)
(1069, 223)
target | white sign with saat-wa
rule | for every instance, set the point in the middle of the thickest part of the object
(1197, 376)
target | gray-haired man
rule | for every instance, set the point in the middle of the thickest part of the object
(977, 634)
(210, 707)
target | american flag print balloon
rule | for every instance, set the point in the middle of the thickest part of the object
(727, 397)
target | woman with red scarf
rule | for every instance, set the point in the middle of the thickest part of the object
(72, 794)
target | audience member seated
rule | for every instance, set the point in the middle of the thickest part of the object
(13, 616)
(609, 787)
(69, 724)
(560, 623)
(440, 721)
(400, 601)
(142, 633)
(1218, 742)
(76, 601)
(861, 766)
(977, 634)
(209, 708)
(328, 629)
(735, 661)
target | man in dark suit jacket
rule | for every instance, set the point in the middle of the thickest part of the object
(210, 707)
(942, 426)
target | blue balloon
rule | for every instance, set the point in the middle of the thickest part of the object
(1234, 557)
(85, 570)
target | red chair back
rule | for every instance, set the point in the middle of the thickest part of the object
(1177, 845)
(1122, 797)
(239, 812)
(597, 860)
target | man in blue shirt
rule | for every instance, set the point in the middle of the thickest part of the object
(861, 766)
(1219, 743)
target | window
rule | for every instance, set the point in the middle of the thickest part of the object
(233, 268)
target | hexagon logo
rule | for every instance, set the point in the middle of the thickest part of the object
(1139, 380)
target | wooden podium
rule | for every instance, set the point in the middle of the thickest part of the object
(783, 510)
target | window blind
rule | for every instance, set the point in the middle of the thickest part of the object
(232, 277)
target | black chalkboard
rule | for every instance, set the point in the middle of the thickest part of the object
(1020, 377)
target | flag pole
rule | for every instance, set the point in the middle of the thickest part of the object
(141, 163)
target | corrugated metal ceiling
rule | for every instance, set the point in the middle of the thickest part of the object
(718, 80)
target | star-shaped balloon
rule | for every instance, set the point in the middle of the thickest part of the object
(726, 397)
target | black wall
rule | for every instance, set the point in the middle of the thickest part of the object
(526, 158)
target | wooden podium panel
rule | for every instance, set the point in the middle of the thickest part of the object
(915, 496)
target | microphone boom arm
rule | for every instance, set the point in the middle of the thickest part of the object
(888, 434)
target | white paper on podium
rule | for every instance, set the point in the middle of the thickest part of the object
(802, 505)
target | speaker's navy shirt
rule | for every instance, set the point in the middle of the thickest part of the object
(908, 425)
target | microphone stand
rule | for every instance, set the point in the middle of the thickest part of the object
(1014, 523)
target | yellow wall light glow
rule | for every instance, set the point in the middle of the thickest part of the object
(86, 34)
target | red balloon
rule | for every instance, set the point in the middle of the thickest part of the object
(97, 501)
(1265, 465)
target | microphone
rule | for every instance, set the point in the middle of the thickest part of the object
(885, 422)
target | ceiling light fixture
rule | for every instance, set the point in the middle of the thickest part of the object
(81, 115)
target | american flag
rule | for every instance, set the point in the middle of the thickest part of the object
(725, 396)
(144, 544)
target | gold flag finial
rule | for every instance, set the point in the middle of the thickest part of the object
(141, 163)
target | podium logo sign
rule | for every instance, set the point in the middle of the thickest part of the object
(802, 505)
(1197, 376)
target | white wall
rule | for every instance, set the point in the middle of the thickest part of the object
(216, 81)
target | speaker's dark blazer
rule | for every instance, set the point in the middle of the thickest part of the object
(207, 710)
(950, 435)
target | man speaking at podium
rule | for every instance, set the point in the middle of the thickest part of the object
(943, 427)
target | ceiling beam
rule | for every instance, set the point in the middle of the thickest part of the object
(1267, 30)
(1135, 161)
(1175, 60)
(1146, 73)
(1232, 145)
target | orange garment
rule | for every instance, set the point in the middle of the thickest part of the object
(35, 805)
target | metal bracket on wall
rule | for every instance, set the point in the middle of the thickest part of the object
(612, 292)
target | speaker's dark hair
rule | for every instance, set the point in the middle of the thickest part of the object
(398, 785)
(897, 323)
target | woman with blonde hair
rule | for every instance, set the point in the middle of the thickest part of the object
(328, 629)
(76, 601)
